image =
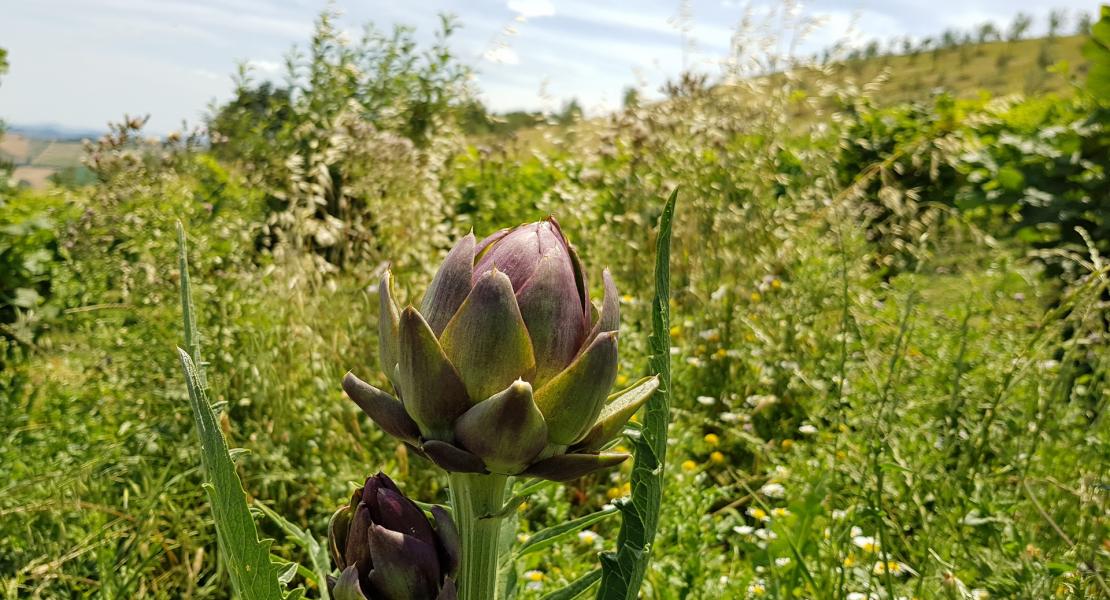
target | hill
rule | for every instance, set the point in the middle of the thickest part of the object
(1042, 65)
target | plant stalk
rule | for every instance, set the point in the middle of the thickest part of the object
(475, 500)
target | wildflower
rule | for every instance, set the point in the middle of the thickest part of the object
(766, 534)
(729, 417)
(689, 465)
(787, 444)
(807, 429)
(855, 531)
(866, 543)
(776, 283)
(622, 379)
(782, 561)
(676, 331)
(534, 580)
(744, 529)
(756, 297)
(712, 439)
(721, 353)
(780, 512)
(588, 537)
(716, 457)
(757, 588)
(850, 561)
(707, 400)
(892, 566)
(758, 513)
(773, 490)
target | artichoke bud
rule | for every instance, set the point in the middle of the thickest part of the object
(506, 364)
(386, 549)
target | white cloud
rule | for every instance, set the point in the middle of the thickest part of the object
(532, 9)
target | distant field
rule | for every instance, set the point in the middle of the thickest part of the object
(59, 155)
(36, 160)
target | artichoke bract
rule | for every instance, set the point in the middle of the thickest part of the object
(506, 367)
(385, 548)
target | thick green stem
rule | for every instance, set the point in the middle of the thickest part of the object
(475, 500)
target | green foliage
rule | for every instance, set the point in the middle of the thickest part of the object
(29, 253)
(869, 337)
(1034, 169)
(1097, 52)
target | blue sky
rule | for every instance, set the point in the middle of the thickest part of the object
(82, 63)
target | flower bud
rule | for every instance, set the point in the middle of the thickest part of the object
(386, 549)
(506, 367)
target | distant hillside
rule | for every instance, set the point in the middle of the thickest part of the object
(51, 131)
(999, 68)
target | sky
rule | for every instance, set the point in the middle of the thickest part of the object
(82, 63)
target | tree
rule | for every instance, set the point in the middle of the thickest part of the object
(950, 38)
(256, 115)
(1083, 23)
(988, 33)
(1020, 26)
(1056, 20)
(572, 111)
(630, 98)
(872, 49)
(5, 166)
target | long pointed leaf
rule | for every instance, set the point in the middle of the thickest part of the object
(247, 558)
(623, 571)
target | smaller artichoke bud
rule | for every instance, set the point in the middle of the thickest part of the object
(386, 549)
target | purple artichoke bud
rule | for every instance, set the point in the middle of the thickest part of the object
(386, 549)
(506, 365)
